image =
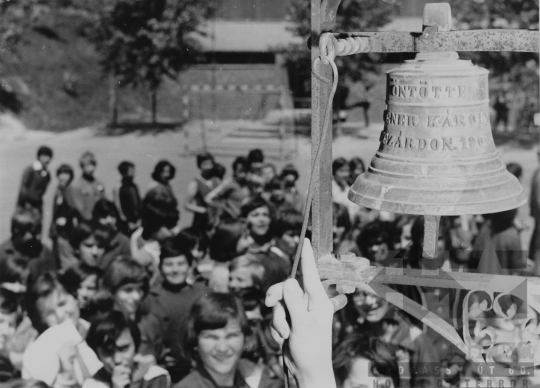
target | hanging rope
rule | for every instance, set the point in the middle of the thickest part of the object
(327, 56)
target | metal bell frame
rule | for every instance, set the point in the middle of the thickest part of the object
(348, 272)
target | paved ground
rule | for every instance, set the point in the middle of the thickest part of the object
(18, 147)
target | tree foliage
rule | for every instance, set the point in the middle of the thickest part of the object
(353, 15)
(143, 41)
(513, 73)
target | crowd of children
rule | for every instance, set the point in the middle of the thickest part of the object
(124, 297)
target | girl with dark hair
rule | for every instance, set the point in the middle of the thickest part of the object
(64, 213)
(159, 217)
(340, 185)
(372, 315)
(51, 305)
(128, 284)
(163, 173)
(290, 175)
(228, 197)
(105, 215)
(259, 216)
(83, 280)
(287, 228)
(356, 168)
(364, 361)
(50, 300)
(198, 189)
(116, 341)
(230, 239)
(217, 333)
(88, 243)
(255, 270)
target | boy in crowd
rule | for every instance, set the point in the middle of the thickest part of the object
(290, 175)
(197, 190)
(116, 341)
(171, 298)
(25, 243)
(128, 199)
(88, 190)
(35, 180)
(64, 215)
(106, 216)
(231, 194)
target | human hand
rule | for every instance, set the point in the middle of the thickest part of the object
(308, 354)
(142, 364)
(66, 355)
(121, 376)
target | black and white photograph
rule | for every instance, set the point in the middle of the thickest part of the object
(269, 194)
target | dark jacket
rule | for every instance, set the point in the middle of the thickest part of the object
(130, 201)
(200, 378)
(172, 305)
(64, 214)
(34, 183)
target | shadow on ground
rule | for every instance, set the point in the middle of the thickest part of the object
(140, 128)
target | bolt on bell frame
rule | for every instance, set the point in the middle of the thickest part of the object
(424, 183)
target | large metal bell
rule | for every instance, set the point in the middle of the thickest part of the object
(436, 153)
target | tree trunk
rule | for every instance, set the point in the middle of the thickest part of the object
(113, 101)
(154, 105)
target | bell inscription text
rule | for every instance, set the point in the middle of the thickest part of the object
(467, 92)
(448, 119)
(446, 143)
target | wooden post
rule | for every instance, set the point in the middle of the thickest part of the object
(322, 19)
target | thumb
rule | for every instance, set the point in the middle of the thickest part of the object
(294, 300)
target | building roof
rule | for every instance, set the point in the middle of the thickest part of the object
(247, 36)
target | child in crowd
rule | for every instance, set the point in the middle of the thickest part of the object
(83, 281)
(159, 216)
(128, 284)
(64, 214)
(89, 244)
(116, 341)
(127, 199)
(35, 180)
(229, 196)
(259, 216)
(287, 231)
(268, 172)
(198, 189)
(366, 362)
(105, 215)
(10, 317)
(231, 239)
(163, 174)
(294, 198)
(88, 189)
(171, 298)
(217, 335)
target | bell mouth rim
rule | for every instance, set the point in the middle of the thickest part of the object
(438, 209)
(465, 160)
